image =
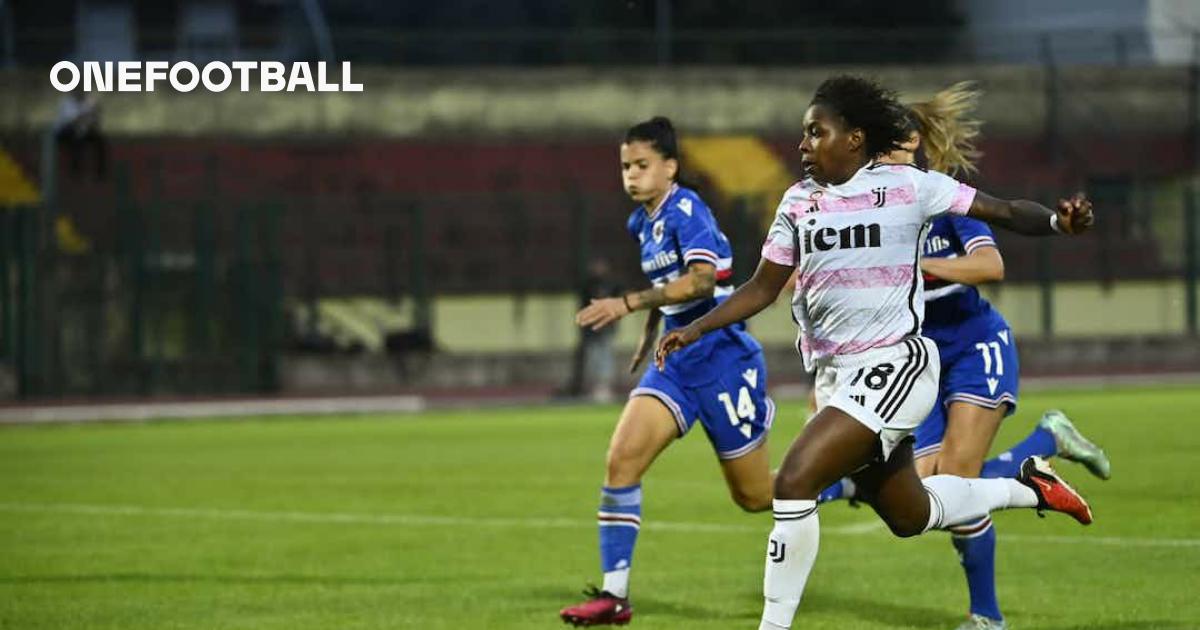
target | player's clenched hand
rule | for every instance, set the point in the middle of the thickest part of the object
(1074, 214)
(677, 339)
(601, 312)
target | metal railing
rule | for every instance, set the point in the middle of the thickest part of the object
(184, 292)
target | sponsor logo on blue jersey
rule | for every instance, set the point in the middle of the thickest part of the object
(661, 260)
(937, 244)
(949, 304)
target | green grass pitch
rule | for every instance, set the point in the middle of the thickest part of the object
(485, 519)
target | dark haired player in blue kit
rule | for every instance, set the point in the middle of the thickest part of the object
(979, 379)
(721, 381)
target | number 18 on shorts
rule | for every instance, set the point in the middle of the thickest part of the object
(889, 390)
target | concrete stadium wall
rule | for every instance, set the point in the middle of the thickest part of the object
(1092, 360)
(1129, 328)
(543, 323)
(506, 102)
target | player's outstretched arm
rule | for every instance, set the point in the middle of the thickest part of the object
(1071, 216)
(758, 293)
(698, 282)
(979, 267)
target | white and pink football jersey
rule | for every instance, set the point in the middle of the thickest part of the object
(857, 246)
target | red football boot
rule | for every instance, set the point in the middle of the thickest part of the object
(1052, 492)
(602, 608)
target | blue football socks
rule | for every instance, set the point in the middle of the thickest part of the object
(976, 545)
(842, 489)
(1008, 464)
(620, 518)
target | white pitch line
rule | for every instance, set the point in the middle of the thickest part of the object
(209, 409)
(856, 529)
(412, 520)
(1118, 541)
(423, 520)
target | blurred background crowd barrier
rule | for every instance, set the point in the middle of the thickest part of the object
(436, 230)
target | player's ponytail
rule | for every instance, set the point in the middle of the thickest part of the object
(948, 129)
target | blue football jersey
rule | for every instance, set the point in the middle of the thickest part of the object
(951, 303)
(680, 231)
(978, 352)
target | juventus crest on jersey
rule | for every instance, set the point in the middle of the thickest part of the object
(857, 246)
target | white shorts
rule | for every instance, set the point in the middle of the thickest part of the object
(890, 390)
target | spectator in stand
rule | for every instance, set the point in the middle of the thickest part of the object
(77, 128)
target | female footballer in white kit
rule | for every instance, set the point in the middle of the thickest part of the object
(979, 384)
(853, 228)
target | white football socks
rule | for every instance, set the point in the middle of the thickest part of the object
(617, 582)
(792, 547)
(791, 551)
(956, 500)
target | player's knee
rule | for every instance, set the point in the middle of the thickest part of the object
(752, 501)
(927, 466)
(621, 466)
(903, 519)
(951, 462)
(905, 526)
(795, 484)
(616, 468)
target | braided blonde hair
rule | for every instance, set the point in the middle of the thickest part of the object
(947, 128)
